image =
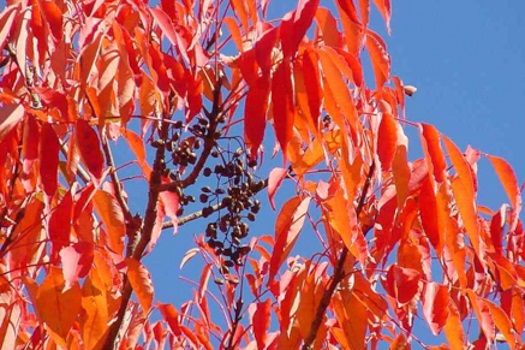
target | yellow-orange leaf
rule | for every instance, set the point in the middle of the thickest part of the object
(454, 329)
(112, 216)
(58, 308)
(94, 303)
(503, 323)
(140, 281)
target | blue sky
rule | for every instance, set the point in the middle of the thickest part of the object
(466, 59)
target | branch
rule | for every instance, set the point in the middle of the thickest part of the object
(339, 273)
(137, 250)
(198, 214)
(209, 139)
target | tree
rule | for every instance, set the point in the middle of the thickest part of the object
(191, 86)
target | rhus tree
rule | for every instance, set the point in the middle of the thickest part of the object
(191, 86)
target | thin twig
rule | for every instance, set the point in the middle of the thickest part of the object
(339, 273)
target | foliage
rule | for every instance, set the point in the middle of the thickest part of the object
(400, 241)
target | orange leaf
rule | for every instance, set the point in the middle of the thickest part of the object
(328, 26)
(510, 184)
(454, 329)
(353, 320)
(502, 322)
(140, 281)
(289, 223)
(463, 189)
(58, 308)
(341, 216)
(170, 314)
(49, 148)
(483, 314)
(380, 59)
(338, 87)
(136, 143)
(401, 169)
(351, 25)
(89, 148)
(112, 216)
(95, 306)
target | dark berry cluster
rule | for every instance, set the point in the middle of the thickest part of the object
(234, 197)
(229, 204)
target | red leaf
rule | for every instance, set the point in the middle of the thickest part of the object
(49, 148)
(289, 223)
(283, 107)
(53, 16)
(380, 59)
(60, 223)
(312, 84)
(10, 115)
(435, 306)
(295, 25)
(261, 322)
(30, 146)
(89, 148)
(402, 283)
(432, 217)
(510, 184)
(255, 114)
(386, 141)
(275, 179)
